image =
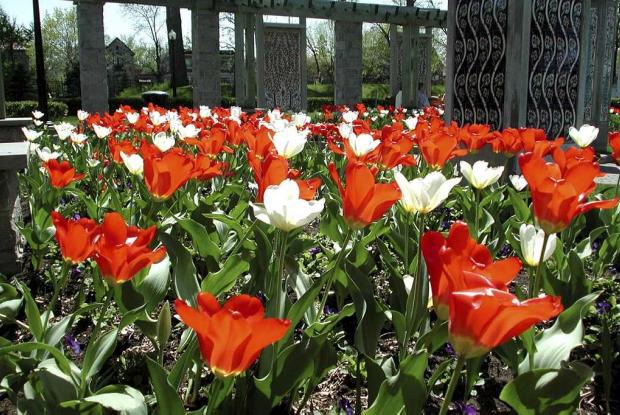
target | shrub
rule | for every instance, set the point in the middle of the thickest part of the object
(56, 110)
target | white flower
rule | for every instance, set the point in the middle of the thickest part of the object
(349, 116)
(189, 131)
(156, 118)
(64, 130)
(163, 142)
(172, 115)
(134, 163)
(532, 242)
(38, 123)
(518, 181)
(424, 194)
(101, 131)
(300, 119)
(383, 113)
(45, 154)
(93, 162)
(204, 111)
(362, 144)
(290, 142)
(32, 147)
(37, 114)
(277, 125)
(411, 123)
(132, 117)
(345, 130)
(481, 175)
(77, 138)
(584, 136)
(284, 209)
(82, 115)
(274, 115)
(235, 113)
(175, 126)
(31, 135)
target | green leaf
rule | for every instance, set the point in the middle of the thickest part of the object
(32, 313)
(184, 270)
(97, 353)
(547, 391)
(155, 285)
(200, 236)
(63, 363)
(168, 400)
(555, 344)
(225, 278)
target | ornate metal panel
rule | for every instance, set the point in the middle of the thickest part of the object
(608, 58)
(480, 61)
(554, 65)
(283, 72)
(591, 56)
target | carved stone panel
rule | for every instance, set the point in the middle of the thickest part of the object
(283, 72)
(480, 61)
(553, 84)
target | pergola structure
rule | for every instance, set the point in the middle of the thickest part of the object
(252, 40)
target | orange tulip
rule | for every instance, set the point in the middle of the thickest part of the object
(206, 167)
(614, 143)
(560, 190)
(61, 173)
(231, 337)
(482, 319)
(456, 262)
(438, 148)
(122, 251)
(165, 173)
(364, 201)
(475, 136)
(75, 237)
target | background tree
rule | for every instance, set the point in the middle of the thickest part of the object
(18, 78)
(375, 55)
(150, 21)
(320, 43)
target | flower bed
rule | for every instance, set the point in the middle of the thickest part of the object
(215, 261)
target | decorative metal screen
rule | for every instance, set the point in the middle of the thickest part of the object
(480, 61)
(591, 58)
(554, 65)
(283, 75)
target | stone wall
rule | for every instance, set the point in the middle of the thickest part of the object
(348, 62)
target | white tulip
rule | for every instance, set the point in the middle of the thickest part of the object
(101, 131)
(82, 115)
(424, 194)
(93, 162)
(204, 111)
(532, 242)
(345, 130)
(274, 114)
(276, 125)
(37, 123)
(235, 113)
(290, 141)
(284, 209)
(362, 144)
(188, 131)
(300, 119)
(37, 114)
(163, 142)
(45, 154)
(132, 117)
(77, 138)
(31, 135)
(481, 175)
(172, 116)
(134, 163)
(583, 136)
(411, 123)
(175, 126)
(64, 130)
(518, 181)
(349, 116)
(156, 118)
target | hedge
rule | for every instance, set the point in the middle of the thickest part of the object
(56, 110)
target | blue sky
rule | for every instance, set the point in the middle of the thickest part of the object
(113, 19)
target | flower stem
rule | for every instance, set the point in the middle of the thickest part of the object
(332, 273)
(358, 385)
(57, 290)
(452, 385)
(106, 305)
(477, 212)
(280, 285)
(406, 247)
(541, 260)
(416, 307)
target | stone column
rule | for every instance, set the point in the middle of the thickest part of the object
(394, 66)
(409, 64)
(240, 72)
(303, 64)
(250, 61)
(426, 49)
(260, 62)
(348, 62)
(206, 57)
(2, 102)
(93, 72)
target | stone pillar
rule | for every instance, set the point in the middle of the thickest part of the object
(348, 63)
(206, 57)
(2, 101)
(260, 62)
(93, 72)
(409, 65)
(394, 58)
(425, 56)
(303, 64)
(250, 61)
(240, 71)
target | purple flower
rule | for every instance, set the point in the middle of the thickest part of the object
(450, 350)
(314, 250)
(505, 251)
(76, 216)
(345, 406)
(465, 409)
(73, 344)
(445, 225)
(76, 273)
(603, 307)
(327, 310)
(596, 245)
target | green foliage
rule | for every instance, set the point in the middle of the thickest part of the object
(56, 110)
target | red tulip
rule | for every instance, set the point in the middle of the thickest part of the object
(560, 190)
(122, 251)
(206, 167)
(482, 319)
(614, 143)
(438, 148)
(364, 201)
(165, 173)
(75, 237)
(456, 262)
(231, 337)
(61, 173)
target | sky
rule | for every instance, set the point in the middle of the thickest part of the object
(114, 21)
